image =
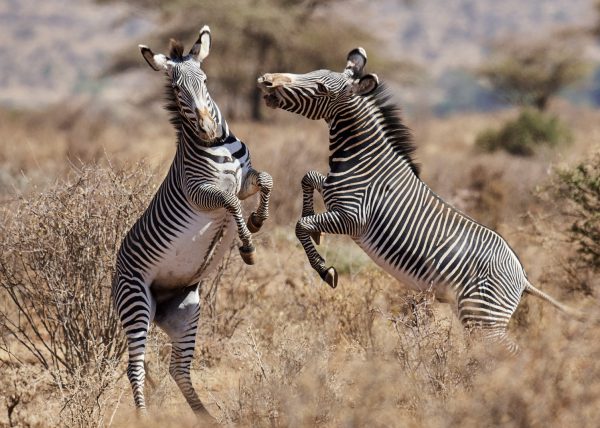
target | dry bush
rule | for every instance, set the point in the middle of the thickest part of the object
(56, 267)
(579, 187)
(570, 225)
(23, 387)
(89, 399)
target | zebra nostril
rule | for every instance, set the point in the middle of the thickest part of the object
(265, 81)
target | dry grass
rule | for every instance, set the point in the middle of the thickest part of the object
(277, 347)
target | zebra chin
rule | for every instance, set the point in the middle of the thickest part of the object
(210, 136)
(210, 132)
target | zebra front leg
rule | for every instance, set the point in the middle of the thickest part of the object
(262, 182)
(178, 317)
(135, 306)
(210, 197)
(327, 222)
(312, 180)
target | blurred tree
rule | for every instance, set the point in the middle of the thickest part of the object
(596, 27)
(529, 72)
(251, 37)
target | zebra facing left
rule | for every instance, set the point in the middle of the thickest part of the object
(190, 222)
(373, 193)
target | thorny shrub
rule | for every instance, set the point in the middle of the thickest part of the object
(579, 188)
(57, 259)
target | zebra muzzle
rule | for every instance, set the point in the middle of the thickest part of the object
(268, 85)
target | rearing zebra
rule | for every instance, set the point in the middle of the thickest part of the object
(373, 193)
(189, 224)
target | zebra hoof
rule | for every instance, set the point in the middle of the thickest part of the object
(330, 276)
(316, 237)
(248, 254)
(254, 223)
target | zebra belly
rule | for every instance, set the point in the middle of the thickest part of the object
(195, 251)
(442, 291)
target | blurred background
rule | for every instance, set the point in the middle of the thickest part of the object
(73, 69)
(503, 99)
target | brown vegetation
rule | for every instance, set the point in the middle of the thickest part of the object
(276, 347)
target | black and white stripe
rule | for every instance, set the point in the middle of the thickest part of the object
(189, 224)
(373, 193)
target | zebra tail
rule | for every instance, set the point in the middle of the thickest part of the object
(564, 308)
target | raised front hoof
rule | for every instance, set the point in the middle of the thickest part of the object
(330, 276)
(316, 237)
(254, 223)
(248, 254)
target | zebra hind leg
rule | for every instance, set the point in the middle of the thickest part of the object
(495, 334)
(178, 317)
(135, 306)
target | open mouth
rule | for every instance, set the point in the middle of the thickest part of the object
(270, 95)
(271, 100)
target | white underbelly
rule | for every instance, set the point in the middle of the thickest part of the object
(408, 280)
(196, 251)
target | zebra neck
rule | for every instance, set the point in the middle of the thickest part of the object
(357, 134)
(369, 131)
(187, 134)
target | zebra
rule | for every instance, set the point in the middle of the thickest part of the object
(373, 193)
(189, 224)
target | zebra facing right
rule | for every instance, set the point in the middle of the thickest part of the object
(373, 193)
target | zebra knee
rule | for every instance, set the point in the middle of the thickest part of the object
(307, 182)
(265, 182)
(300, 230)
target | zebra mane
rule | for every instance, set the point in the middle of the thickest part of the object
(175, 49)
(397, 133)
(171, 107)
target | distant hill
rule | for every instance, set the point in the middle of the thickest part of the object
(55, 49)
(445, 34)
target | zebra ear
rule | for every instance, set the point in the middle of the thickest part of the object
(157, 62)
(357, 58)
(201, 48)
(365, 85)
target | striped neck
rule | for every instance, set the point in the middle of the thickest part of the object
(369, 127)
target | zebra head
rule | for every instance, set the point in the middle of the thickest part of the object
(188, 83)
(319, 94)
